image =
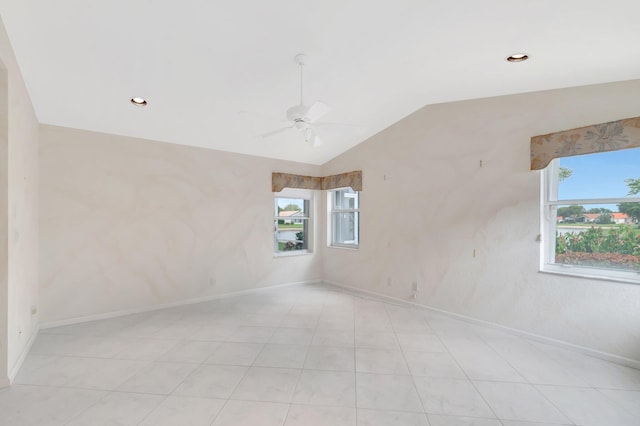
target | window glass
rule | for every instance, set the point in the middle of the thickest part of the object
(592, 212)
(291, 224)
(345, 217)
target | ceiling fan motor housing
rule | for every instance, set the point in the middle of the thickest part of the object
(298, 114)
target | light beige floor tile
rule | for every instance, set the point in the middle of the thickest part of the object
(229, 353)
(386, 392)
(330, 359)
(283, 356)
(118, 408)
(519, 401)
(211, 381)
(326, 388)
(252, 413)
(451, 396)
(267, 384)
(368, 417)
(306, 415)
(184, 411)
(158, 378)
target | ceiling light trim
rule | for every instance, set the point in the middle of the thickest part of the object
(518, 57)
(141, 102)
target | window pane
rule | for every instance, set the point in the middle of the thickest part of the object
(345, 228)
(287, 207)
(344, 199)
(291, 224)
(600, 236)
(290, 238)
(599, 175)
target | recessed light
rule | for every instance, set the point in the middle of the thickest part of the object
(517, 57)
(138, 102)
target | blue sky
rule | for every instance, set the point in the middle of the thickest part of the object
(599, 175)
(284, 202)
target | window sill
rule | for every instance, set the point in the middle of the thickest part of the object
(292, 253)
(352, 248)
(626, 277)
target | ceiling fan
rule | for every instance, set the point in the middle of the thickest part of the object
(303, 117)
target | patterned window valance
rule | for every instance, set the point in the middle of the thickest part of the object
(344, 180)
(585, 140)
(279, 181)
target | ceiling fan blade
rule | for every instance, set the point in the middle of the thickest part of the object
(334, 124)
(317, 111)
(265, 117)
(274, 132)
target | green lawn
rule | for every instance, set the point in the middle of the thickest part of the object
(290, 226)
(589, 225)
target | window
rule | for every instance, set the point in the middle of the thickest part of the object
(344, 205)
(591, 215)
(291, 225)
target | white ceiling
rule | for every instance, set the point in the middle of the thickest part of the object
(201, 63)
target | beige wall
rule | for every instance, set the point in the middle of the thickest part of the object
(18, 215)
(129, 224)
(4, 227)
(428, 206)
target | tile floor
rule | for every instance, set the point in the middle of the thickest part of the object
(309, 355)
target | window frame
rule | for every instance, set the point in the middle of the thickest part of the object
(548, 218)
(307, 198)
(331, 210)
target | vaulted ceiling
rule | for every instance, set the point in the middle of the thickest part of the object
(218, 73)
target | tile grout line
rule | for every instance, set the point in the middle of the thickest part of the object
(436, 332)
(242, 378)
(415, 387)
(527, 381)
(176, 386)
(286, 416)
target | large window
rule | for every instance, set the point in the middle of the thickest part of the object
(344, 217)
(291, 225)
(591, 215)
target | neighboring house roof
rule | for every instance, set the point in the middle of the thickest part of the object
(592, 216)
(619, 215)
(288, 213)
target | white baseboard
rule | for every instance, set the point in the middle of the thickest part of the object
(532, 336)
(107, 315)
(13, 372)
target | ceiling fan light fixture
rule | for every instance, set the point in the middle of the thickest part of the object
(517, 57)
(312, 138)
(308, 135)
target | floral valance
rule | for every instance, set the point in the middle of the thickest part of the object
(585, 140)
(344, 180)
(279, 181)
